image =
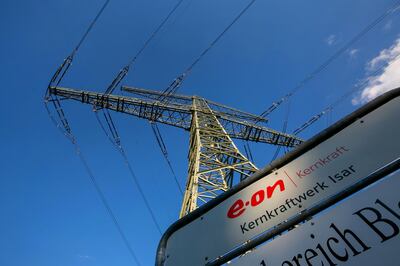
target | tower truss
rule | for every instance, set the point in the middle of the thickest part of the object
(215, 163)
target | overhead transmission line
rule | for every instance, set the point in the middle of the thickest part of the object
(62, 124)
(172, 88)
(68, 133)
(318, 70)
(333, 105)
(56, 81)
(284, 129)
(115, 140)
(177, 82)
(63, 68)
(326, 63)
(113, 135)
(164, 151)
(247, 150)
(124, 71)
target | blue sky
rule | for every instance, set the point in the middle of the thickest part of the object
(51, 214)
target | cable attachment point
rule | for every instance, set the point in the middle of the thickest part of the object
(117, 80)
(59, 74)
(275, 105)
(172, 88)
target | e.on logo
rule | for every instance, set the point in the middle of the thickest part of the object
(238, 207)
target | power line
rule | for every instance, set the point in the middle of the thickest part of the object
(91, 26)
(124, 71)
(177, 82)
(325, 64)
(174, 85)
(182, 12)
(116, 141)
(63, 125)
(247, 150)
(284, 129)
(62, 70)
(329, 108)
(114, 136)
(106, 204)
(66, 130)
(164, 151)
(156, 31)
(212, 44)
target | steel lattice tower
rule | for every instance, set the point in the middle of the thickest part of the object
(215, 163)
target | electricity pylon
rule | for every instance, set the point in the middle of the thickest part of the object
(215, 163)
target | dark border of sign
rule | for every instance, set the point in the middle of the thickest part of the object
(300, 150)
(308, 214)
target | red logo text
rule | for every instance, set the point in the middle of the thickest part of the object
(239, 206)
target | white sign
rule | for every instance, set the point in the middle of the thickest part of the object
(335, 164)
(363, 230)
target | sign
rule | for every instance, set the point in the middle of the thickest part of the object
(350, 153)
(363, 230)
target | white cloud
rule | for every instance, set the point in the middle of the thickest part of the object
(387, 26)
(85, 257)
(385, 56)
(388, 77)
(353, 52)
(331, 40)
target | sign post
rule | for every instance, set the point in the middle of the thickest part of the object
(330, 162)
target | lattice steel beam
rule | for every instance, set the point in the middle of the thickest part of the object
(215, 163)
(176, 113)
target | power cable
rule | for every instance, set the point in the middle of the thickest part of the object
(156, 31)
(173, 86)
(325, 64)
(124, 71)
(91, 26)
(247, 150)
(164, 151)
(63, 125)
(115, 140)
(113, 136)
(284, 129)
(329, 108)
(68, 133)
(62, 70)
(182, 13)
(177, 82)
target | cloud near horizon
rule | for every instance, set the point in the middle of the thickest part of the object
(388, 61)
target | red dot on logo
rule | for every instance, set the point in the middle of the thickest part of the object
(247, 203)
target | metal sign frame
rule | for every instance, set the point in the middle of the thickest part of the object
(302, 149)
(345, 199)
(307, 214)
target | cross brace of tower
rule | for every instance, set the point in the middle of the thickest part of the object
(215, 163)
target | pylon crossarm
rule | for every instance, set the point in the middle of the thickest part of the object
(156, 95)
(218, 108)
(223, 110)
(252, 132)
(174, 115)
